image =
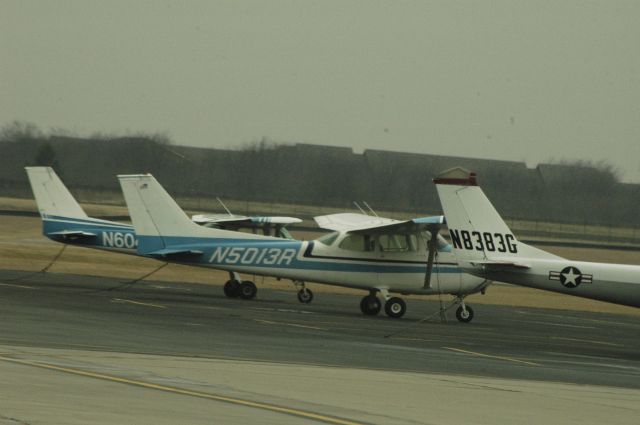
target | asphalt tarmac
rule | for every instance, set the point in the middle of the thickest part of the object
(78, 349)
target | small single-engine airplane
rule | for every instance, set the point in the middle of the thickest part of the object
(64, 220)
(484, 246)
(381, 257)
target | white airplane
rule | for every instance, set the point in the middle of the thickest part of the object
(485, 247)
(381, 257)
(64, 220)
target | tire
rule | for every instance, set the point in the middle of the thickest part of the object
(370, 305)
(305, 296)
(232, 288)
(395, 307)
(464, 317)
(248, 290)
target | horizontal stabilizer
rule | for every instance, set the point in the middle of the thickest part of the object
(501, 265)
(73, 233)
(170, 252)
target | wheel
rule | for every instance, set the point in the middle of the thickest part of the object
(395, 307)
(464, 315)
(232, 288)
(370, 305)
(305, 296)
(248, 290)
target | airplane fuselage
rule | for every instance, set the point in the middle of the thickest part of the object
(615, 283)
(283, 258)
(316, 262)
(99, 234)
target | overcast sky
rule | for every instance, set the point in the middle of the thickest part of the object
(536, 81)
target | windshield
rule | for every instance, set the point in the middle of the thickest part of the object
(329, 238)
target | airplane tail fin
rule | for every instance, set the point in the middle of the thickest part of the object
(478, 233)
(52, 196)
(158, 220)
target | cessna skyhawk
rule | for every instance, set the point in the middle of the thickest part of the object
(384, 257)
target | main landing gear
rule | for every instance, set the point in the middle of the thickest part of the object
(394, 306)
(236, 287)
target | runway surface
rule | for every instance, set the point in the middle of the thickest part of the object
(78, 349)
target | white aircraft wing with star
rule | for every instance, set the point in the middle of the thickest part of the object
(485, 246)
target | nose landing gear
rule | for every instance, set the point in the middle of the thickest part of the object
(305, 296)
(464, 313)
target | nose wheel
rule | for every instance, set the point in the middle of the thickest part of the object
(305, 296)
(464, 313)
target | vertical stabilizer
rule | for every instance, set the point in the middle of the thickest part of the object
(52, 196)
(159, 221)
(153, 212)
(477, 231)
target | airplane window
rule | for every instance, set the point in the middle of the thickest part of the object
(398, 243)
(412, 242)
(357, 242)
(329, 238)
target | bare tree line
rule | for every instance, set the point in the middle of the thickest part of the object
(571, 192)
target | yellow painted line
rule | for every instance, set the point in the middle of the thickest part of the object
(269, 322)
(509, 359)
(120, 300)
(588, 341)
(176, 390)
(17, 286)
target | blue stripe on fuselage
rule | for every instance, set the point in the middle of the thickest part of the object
(109, 234)
(273, 254)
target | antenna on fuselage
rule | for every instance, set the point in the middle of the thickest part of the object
(360, 208)
(224, 206)
(370, 209)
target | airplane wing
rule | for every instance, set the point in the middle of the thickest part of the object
(343, 222)
(361, 223)
(73, 234)
(432, 224)
(243, 221)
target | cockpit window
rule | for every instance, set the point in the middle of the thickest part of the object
(329, 238)
(398, 243)
(357, 242)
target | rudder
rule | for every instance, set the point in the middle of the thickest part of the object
(52, 196)
(477, 230)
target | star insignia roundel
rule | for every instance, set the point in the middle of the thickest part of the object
(570, 277)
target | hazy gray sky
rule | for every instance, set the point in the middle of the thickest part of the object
(518, 80)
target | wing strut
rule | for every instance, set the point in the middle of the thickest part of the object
(433, 247)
